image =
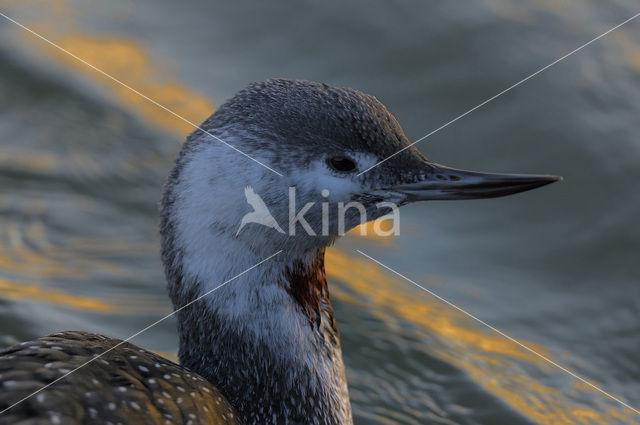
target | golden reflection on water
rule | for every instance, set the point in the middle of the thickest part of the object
(130, 63)
(491, 360)
(41, 163)
(27, 256)
(121, 58)
(25, 251)
(24, 291)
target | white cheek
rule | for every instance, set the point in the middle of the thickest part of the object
(209, 188)
(318, 177)
(211, 197)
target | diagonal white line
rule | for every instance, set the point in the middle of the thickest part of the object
(543, 357)
(513, 86)
(139, 332)
(109, 76)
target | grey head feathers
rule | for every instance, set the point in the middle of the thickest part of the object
(298, 120)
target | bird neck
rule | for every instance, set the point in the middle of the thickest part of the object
(267, 339)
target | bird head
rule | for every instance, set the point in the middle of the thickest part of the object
(298, 143)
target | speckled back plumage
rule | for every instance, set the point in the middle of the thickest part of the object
(128, 385)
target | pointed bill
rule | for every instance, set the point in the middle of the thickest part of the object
(450, 183)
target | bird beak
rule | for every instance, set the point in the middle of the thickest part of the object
(449, 183)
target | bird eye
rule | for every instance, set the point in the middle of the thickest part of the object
(342, 164)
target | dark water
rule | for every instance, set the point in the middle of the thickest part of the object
(82, 162)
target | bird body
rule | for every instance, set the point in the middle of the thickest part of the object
(258, 345)
(128, 385)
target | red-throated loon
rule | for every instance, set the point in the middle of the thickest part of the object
(263, 349)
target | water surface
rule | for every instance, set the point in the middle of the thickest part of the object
(82, 162)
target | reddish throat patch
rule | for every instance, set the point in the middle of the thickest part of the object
(307, 285)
